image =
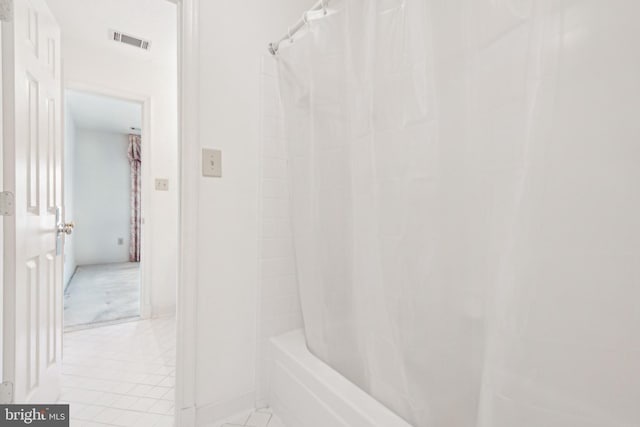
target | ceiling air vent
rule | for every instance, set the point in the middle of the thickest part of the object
(119, 37)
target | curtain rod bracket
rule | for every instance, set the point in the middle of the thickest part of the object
(321, 5)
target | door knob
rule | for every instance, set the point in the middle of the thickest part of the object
(61, 228)
(66, 228)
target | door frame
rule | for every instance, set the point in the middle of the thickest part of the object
(1, 219)
(146, 180)
(188, 177)
(189, 180)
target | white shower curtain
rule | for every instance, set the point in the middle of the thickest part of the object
(466, 212)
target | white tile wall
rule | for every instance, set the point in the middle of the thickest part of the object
(278, 300)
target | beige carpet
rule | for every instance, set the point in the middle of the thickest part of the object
(102, 293)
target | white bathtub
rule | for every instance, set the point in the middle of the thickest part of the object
(306, 392)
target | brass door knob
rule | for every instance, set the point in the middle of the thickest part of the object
(66, 228)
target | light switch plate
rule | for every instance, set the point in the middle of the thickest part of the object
(162, 184)
(211, 163)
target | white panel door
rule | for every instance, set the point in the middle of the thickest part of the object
(33, 170)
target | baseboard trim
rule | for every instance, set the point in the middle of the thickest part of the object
(166, 311)
(206, 415)
(186, 417)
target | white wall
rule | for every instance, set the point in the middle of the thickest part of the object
(69, 172)
(1, 225)
(228, 272)
(85, 67)
(101, 188)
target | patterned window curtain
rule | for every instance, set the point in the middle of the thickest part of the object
(135, 161)
(6, 10)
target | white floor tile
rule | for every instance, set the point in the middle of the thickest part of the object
(163, 407)
(169, 395)
(158, 391)
(107, 399)
(143, 404)
(128, 419)
(262, 417)
(164, 421)
(75, 409)
(141, 390)
(87, 413)
(259, 419)
(153, 379)
(167, 381)
(108, 415)
(275, 422)
(121, 375)
(124, 402)
(149, 420)
(123, 388)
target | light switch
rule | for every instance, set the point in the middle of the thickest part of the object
(162, 184)
(211, 163)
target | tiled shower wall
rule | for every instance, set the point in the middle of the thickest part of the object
(278, 300)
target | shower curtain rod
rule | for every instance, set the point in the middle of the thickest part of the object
(321, 5)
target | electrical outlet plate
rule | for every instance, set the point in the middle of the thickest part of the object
(162, 184)
(211, 163)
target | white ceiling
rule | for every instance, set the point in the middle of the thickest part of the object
(102, 113)
(89, 22)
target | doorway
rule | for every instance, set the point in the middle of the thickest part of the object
(122, 373)
(103, 161)
(121, 259)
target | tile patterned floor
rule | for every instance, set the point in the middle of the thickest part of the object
(102, 293)
(121, 375)
(262, 417)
